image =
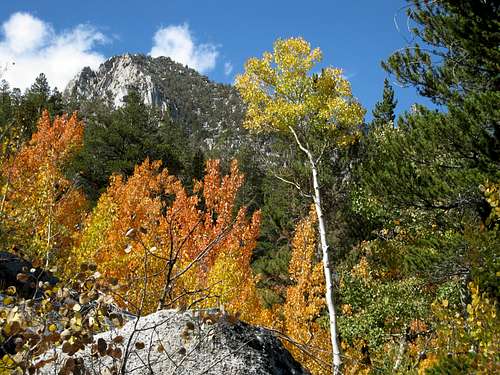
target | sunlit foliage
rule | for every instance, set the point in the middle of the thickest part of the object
(40, 206)
(281, 93)
(172, 248)
(304, 310)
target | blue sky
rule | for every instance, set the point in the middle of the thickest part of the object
(214, 36)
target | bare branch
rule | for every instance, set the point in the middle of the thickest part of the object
(294, 184)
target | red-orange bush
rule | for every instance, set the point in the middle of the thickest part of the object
(40, 206)
(170, 247)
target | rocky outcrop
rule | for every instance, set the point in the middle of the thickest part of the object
(211, 112)
(114, 78)
(169, 342)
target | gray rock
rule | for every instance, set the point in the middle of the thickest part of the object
(170, 342)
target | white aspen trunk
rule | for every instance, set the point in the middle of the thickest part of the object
(401, 351)
(337, 360)
(49, 235)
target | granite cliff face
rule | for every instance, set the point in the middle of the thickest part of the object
(113, 79)
(211, 112)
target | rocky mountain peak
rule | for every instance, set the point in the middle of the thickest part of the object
(114, 78)
(208, 110)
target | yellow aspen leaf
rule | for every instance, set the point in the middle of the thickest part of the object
(52, 328)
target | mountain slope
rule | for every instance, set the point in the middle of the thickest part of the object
(210, 112)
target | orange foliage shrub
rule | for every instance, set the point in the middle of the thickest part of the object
(299, 318)
(305, 301)
(172, 248)
(41, 207)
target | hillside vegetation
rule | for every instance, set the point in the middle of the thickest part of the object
(366, 247)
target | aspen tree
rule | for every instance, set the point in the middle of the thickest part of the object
(282, 95)
(40, 206)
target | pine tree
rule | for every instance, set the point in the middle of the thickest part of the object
(7, 132)
(198, 165)
(423, 180)
(457, 68)
(383, 113)
(55, 103)
(115, 142)
(437, 159)
(32, 105)
(458, 51)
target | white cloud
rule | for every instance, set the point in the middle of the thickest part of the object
(176, 42)
(228, 68)
(30, 46)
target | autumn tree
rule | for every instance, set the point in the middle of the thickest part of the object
(304, 307)
(40, 205)
(19, 113)
(170, 247)
(316, 111)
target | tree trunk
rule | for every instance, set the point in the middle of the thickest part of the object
(337, 360)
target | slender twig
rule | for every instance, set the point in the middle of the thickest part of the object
(294, 184)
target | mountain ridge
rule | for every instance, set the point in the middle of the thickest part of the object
(211, 112)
